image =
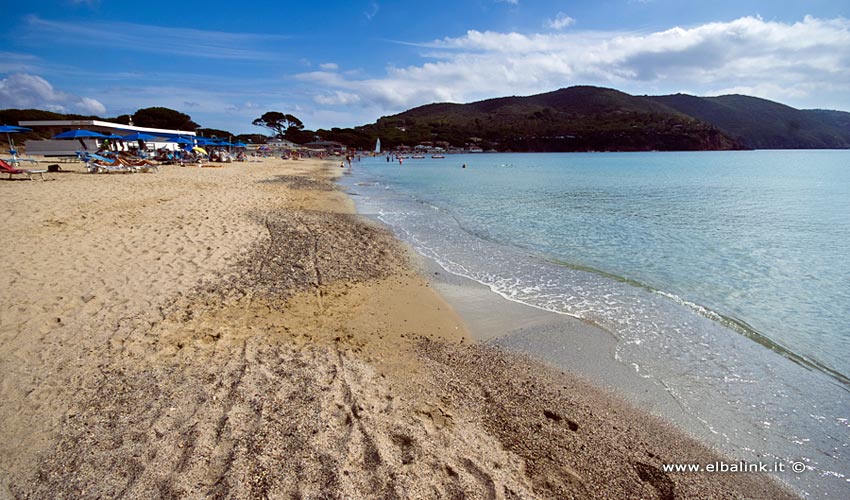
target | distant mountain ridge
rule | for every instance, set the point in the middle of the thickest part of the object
(585, 118)
(762, 124)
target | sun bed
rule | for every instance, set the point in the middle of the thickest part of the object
(137, 164)
(5, 168)
(15, 161)
(101, 164)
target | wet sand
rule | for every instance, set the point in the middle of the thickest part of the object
(239, 333)
(562, 342)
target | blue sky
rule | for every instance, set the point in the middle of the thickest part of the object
(346, 63)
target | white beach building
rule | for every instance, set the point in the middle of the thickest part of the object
(69, 147)
(282, 143)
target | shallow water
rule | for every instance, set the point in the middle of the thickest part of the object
(726, 276)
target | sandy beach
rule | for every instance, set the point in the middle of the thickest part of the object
(239, 332)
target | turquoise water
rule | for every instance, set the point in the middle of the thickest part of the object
(763, 237)
(724, 274)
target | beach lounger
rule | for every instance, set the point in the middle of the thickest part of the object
(92, 164)
(138, 164)
(16, 161)
(117, 167)
(5, 168)
(97, 164)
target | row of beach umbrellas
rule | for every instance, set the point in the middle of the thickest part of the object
(140, 136)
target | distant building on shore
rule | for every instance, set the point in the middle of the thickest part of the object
(332, 147)
(69, 147)
(282, 143)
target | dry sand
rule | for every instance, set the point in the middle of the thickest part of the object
(238, 333)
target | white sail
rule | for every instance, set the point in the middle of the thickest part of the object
(378, 146)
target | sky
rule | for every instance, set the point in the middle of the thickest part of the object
(347, 63)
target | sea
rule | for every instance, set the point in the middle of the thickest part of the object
(724, 276)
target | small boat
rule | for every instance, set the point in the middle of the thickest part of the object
(437, 156)
(418, 157)
(378, 146)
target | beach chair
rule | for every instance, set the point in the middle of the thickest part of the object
(97, 164)
(15, 161)
(92, 164)
(137, 164)
(5, 168)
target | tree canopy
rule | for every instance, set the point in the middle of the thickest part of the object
(163, 118)
(279, 123)
(214, 132)
(252, 138)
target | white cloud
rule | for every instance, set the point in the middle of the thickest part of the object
(799, 61)
(561, 21)
(327, 78)
(329, 66)
(23, 90)
(154, 39)
(246, 106)
(89, 106)
(337, 98)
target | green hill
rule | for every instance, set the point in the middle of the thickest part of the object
(571, 119)
(599, 119)
(762, 124)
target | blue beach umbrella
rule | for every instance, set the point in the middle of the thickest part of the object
(6, 129)
(241, 145)
(180, 140)
(79, 134)
(12, 129)
(140, 136)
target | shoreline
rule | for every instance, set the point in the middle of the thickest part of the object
(253, 337)
(496, 321)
